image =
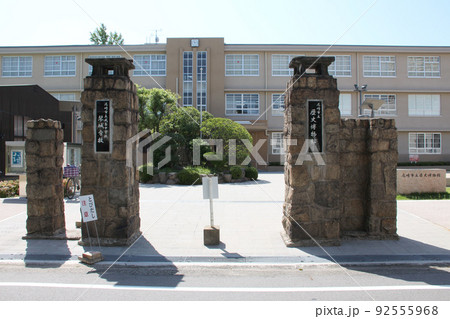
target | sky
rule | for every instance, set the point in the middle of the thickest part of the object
(357, 22)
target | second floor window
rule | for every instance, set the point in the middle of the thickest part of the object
(17, 66)
(342, 66)
(150, 64)
(388, 108)
(424, 105)
(61, 65)
(242, 65)
(424, 67)
(379, 66)
(278, 104)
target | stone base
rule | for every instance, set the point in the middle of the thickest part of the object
(59, 235)
(211, 235)
(110, 241)
(308, 242)
(91, 257)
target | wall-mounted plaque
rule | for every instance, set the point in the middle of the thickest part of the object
(315, 123)
(103, 126)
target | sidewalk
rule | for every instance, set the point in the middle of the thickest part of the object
(249, 216)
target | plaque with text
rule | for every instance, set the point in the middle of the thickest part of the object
(315, 123)
(103, 126)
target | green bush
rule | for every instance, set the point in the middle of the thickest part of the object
(191, 175)
(143, 176)
(236, 172)
(9, 189)
(251, 172)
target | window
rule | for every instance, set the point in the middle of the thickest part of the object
(278, 104)
(388, 108)
(424, 143)
(341, 67)
(381, 66)
(101, 57)
(424, 105)
(280, 65)
(345, 104)
(277, 143)
(201, 80)
(188, 71)
(20, 127)
(150, 64)
(424, 67)
(17, 66)
(64, 96)
(64, 65)
(245, 104)
(242, 65)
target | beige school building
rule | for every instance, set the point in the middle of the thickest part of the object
(246, 83)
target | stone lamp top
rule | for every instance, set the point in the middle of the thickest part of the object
(302, 63)
(44, 123)
(107, 67)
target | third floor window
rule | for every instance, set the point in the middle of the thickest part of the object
(379, 66)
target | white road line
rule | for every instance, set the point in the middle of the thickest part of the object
(12, 217)
(224, 289)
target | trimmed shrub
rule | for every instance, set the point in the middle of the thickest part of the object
(236, 172)
(143, 176)
(191, 175)
(251, 172)
(9, 189)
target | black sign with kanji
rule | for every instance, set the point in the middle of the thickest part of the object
(102, 126)
(315, 123)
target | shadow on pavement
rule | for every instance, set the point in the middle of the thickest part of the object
(15, 200)
(406, 264)
(55, 250)
(166, 274)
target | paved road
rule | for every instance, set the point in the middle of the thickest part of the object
(78, 282)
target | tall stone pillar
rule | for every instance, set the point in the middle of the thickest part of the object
(312, 206)
(44, 155)
(110, 118)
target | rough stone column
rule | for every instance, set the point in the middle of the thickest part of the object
(382, 204)
(104, 169)
(44, 154)
(312, 196)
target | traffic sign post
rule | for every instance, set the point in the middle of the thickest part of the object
(211, 233)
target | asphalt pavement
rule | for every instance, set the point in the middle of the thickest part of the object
(249, 215)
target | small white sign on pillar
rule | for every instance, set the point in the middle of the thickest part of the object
(87, 206)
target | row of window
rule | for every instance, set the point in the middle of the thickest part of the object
(235, 65)
(418, 104)
(65, 65)
(373, 66)
(419, 143)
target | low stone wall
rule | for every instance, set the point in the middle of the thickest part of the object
(44, 155)
(421, 180)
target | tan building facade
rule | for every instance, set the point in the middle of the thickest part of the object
(246, 83)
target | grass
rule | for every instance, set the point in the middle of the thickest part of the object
(419, 196)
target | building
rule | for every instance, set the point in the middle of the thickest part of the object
(246, 83)
(21, 103)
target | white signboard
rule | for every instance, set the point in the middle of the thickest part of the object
(214, 187)
(87, 206)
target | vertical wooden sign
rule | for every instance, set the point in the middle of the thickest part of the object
(315, 123)
(103, 126)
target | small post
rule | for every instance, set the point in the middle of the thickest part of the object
(211, 209)
(211, 233)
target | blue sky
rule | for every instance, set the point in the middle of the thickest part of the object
(371, 22)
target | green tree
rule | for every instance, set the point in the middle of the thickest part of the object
(153, 105)
(226, 129)
(182, 124)
(101, 37)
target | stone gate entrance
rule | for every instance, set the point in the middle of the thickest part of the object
(352, 193)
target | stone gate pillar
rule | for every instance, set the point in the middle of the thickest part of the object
(312, 197)
(44, 155)
(110, 118)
